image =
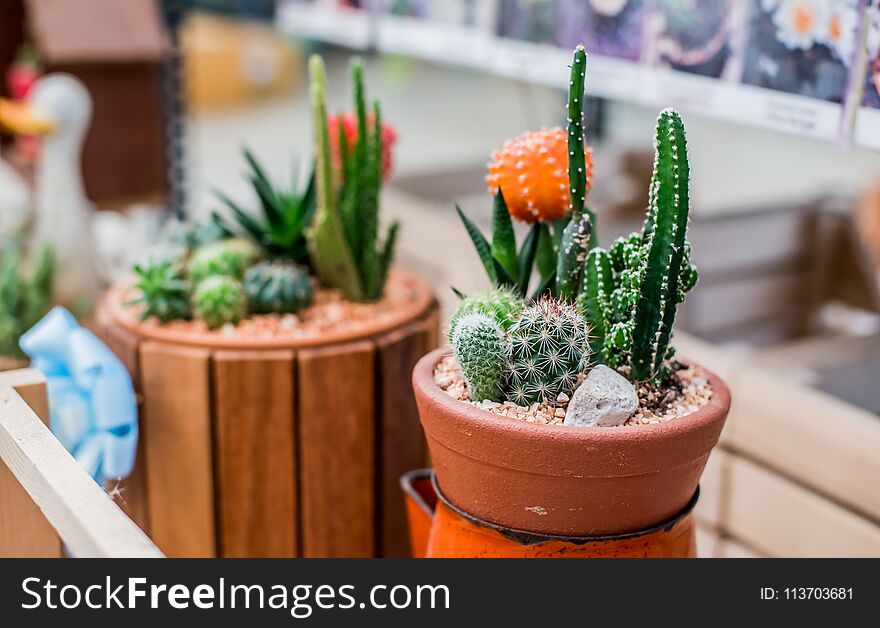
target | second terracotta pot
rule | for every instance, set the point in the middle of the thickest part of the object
(553, 479)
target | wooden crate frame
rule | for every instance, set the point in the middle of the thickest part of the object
(46, 498)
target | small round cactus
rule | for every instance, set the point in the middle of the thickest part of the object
(164, 291)
(225, 257)
(219, 300)
(482, 350)
(277, 287)
(549, 351)
(502, 304)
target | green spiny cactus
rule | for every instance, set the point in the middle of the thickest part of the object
(482, 350)
(23, 301)
(226, 257)
(548, 351)
(576, 236)
(218, 300)
(277, 287)
(630, 293)
(286, 215)
(164, 290)
(502, 304)
(342, 240)
(663, 248)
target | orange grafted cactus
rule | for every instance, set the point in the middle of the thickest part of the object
(531, 170)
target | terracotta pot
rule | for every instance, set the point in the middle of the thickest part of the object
(558, 480)
(275, 447)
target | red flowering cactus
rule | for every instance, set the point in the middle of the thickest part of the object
(350, 126)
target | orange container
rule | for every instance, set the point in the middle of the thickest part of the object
(440, 530)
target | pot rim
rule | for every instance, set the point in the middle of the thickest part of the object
(113, 309)
(493, 438)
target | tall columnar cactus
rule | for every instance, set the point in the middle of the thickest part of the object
(482, 350)
(630, 293)
(342, 240)
(576, 236)
(548, 351)
(663, 247)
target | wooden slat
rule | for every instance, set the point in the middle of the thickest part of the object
(255, 453)
(81, 513)
(401, 441)
(712, 490)
(731, 548)
(707, 541)
(24, 531)
(178, 449)
(337, 445)
(820, 441)
(780, 518)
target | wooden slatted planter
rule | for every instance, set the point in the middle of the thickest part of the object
(275, 448)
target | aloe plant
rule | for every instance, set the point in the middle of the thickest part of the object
(286, 214)
(343, 241)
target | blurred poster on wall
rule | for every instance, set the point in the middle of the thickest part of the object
(536, 37)
(787, 65)
(343, 22)
(867, 121)
(445, 31)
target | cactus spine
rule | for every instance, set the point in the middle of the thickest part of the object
(342, 240)
(548, 351)
(277, 287)
(663, 247)
(219, 300)
(482, 351)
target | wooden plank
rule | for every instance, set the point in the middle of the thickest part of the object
(707, 541)
(337, 445)
(83, 515)
(179, 461)
(24, 531)
(401, 442)
(255, 453)
(822, 442)
(781, 518)
(126, 347)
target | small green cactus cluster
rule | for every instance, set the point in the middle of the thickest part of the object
(23, 300)
(502, 304)
(219, 283)
(538, 356)
(286, 216)
(631, 292)
(277, 287)
(343, 238)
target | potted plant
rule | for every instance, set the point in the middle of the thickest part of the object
(268, 349)
(23, 301)
(562, 411)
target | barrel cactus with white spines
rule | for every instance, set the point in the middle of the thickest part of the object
(220, 300)
(549, 350)
(277, 287)
(482, 350)
(502, 304)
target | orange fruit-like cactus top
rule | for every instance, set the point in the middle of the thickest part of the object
(532, 171)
